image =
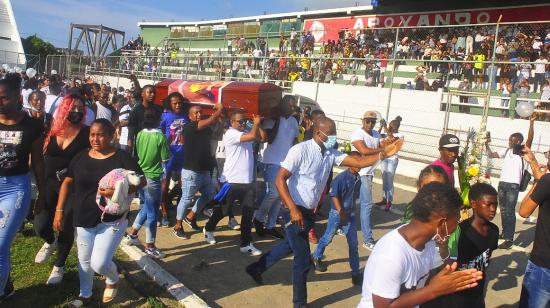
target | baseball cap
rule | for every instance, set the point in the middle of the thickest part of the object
(370, 115)
(449, 141)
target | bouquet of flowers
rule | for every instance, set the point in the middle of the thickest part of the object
(471, 168)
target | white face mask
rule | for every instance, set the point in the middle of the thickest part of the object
(441, 239)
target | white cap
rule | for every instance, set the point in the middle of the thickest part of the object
(53, 72)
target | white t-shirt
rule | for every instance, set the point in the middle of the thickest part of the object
(275, 153)
(540, 66)
(124, 116)
(394, 265)
(512, 168)
(372, 142)
(52, 102)
(257, 53)
(103, 112)
(239, 158)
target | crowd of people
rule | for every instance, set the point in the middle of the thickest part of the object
(68, 137)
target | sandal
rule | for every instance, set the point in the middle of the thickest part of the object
(109, 294)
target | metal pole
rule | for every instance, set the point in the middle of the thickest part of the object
(319, 69)
(392, 73)
(491, 74)
(187, 57)
(447, 107)
(222, 53)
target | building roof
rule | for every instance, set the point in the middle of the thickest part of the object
(353, 10)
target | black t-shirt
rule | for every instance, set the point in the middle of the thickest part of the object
(135, 120)
(57, 160)
(474, 251)
(541, 246)
(86, 173)
(198, 156)
(16, 145)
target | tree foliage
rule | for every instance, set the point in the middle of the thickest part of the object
(34, 45)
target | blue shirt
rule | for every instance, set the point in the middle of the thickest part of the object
(345, 187)
(310, 168)
(171, 124)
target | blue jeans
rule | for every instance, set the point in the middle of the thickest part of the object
(271, 203)
(350, 230)
(388, 173)
(365, 196)
(96, 248)
(191, 183)
(296, 242)
(507, 200)
(535, 291)
(15, 199)
(148, 213)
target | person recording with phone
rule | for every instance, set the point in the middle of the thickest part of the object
(511, 175)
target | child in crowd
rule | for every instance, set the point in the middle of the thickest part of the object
(401, 261)
(429, 174)
(343, 193)
(152, 150)
(477, 238)
(172, 121)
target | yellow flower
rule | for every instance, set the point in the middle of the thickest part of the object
(473, 171)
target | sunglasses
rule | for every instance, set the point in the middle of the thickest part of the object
(241, 121)
(368, 120)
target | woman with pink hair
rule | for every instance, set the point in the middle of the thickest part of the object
(66, 138)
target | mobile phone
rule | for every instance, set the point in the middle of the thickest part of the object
(518, 149)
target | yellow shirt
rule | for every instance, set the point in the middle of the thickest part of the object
(479, 57)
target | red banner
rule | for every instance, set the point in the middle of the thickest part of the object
(324, 29)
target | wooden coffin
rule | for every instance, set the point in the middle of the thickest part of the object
(250, 97)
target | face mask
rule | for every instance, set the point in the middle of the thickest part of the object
(35, 109)
(441, 239)
(75, 117)
(330, 143)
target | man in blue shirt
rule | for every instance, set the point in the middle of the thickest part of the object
(343, 191)
(306, 168)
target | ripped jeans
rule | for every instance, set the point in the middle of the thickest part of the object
(15, 199)
(96, 248)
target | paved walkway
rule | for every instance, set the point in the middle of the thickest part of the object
(216, 272)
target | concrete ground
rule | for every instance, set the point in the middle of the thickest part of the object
(216, 272)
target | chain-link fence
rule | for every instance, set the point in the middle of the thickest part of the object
(20, 60)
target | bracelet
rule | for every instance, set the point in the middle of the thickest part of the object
(381, 156)
(59, 210)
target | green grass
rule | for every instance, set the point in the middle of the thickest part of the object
(29, 278)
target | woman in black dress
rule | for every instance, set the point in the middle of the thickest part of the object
(67, 137)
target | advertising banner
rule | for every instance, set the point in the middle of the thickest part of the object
(324, 29)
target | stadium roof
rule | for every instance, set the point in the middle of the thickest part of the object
(353, 10)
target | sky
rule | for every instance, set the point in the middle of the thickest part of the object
(50, 19)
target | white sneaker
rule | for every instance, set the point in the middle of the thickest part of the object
(209, 236)
(56, 276)
(233, 224)
(130, 240)
(253, 251)
(45, 252)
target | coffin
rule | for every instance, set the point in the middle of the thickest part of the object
(250, 97)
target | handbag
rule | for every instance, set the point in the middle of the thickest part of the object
(525, 178)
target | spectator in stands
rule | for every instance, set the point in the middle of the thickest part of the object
(465, 86)
(540, 72)
(353, 79)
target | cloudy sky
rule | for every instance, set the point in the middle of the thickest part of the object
(50, 19)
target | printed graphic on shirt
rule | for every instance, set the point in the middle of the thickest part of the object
(176, 131)
(9, 142)
(480, 262)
